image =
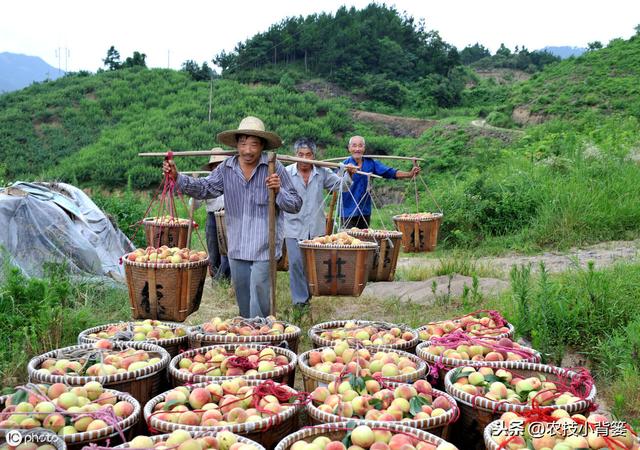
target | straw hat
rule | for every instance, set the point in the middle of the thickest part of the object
(251, 126)
(215, 159)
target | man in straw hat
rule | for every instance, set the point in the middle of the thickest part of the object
(245, 182)
(310, 182)
(356, 203)
(218, 264)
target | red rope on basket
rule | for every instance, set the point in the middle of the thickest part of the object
(459, 337)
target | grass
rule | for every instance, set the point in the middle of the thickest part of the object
(39, 315)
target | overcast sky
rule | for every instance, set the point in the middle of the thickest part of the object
(170, 32)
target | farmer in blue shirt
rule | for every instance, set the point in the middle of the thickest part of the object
(356, 203)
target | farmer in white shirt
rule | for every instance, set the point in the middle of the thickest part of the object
(310, 182)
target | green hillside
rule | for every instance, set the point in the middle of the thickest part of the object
(604, 81)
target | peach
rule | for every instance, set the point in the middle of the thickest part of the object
(141, 442)
(177, 437)
(333, 445)
(53, 422)
(441, 402)
(237, 415)
(189, 418)
(405, 391)
(199, 397)
(423, 386)
(362, 436)
(96, 424)
(55, 390)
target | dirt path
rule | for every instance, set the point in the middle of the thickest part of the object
(428, 291)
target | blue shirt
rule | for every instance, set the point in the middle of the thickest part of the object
(357, 201)
(246, 205)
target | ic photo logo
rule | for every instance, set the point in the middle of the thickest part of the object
(15, 438)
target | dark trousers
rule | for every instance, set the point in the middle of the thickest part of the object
(356, 221)
(218, 264)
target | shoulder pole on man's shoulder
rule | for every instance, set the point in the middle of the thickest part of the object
(272, 236)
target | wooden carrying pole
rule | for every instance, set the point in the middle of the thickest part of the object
(402, 158)
(316, 162)
(273, 264)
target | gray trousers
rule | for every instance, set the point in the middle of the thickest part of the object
(297, 277)
(251, 283)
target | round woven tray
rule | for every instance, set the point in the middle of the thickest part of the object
(485, 332)
(198, 338)
(436, 425)
(173, 346)
(266, 432)
(477, 412)
(338, 430)
(444, 364)
(313, 378)
(195, 435)
(316, 330)
(142, 384)
(283, 374)
(38, 436)
(77, 440)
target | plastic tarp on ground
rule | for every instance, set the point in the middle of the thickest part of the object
(56, 222)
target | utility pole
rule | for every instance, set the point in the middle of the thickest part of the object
(168, 59)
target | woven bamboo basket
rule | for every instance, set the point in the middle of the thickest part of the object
(195, 435)
(169, 234)
(419, 235)
(78, 440)
(386, 258)
(38, 436)
(444, 365)
(496, 332)
(283, 374)
(313, 378)
(165, 291)
(143, 384)
(318, 341)
(476, 412)
(173, 346)
(266, 432)
(199, 338)
(437, 425)
(221, 231)
(491, 444)
(337, 431)
(337, 269)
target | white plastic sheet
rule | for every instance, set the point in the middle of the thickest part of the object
(58, 223)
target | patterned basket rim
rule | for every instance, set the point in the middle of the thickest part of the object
(436, 216)
(422, 424)
(195, 332)
(309, 371)
(111, 430)
(485, 404)
(535, 357)
(198, 434)
(150, 265)
(308, 432)
(83, 337)
(35, 374)
(190, 378)
(314, 333)
(364, 245)
(52, 438)
(377, 234)
(507, 334)
(152, 221)
(245, 427)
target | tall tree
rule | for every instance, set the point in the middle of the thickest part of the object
(112, 61)
(138, 59)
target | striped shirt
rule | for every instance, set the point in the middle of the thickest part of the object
(310, 221)
(246, 205)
